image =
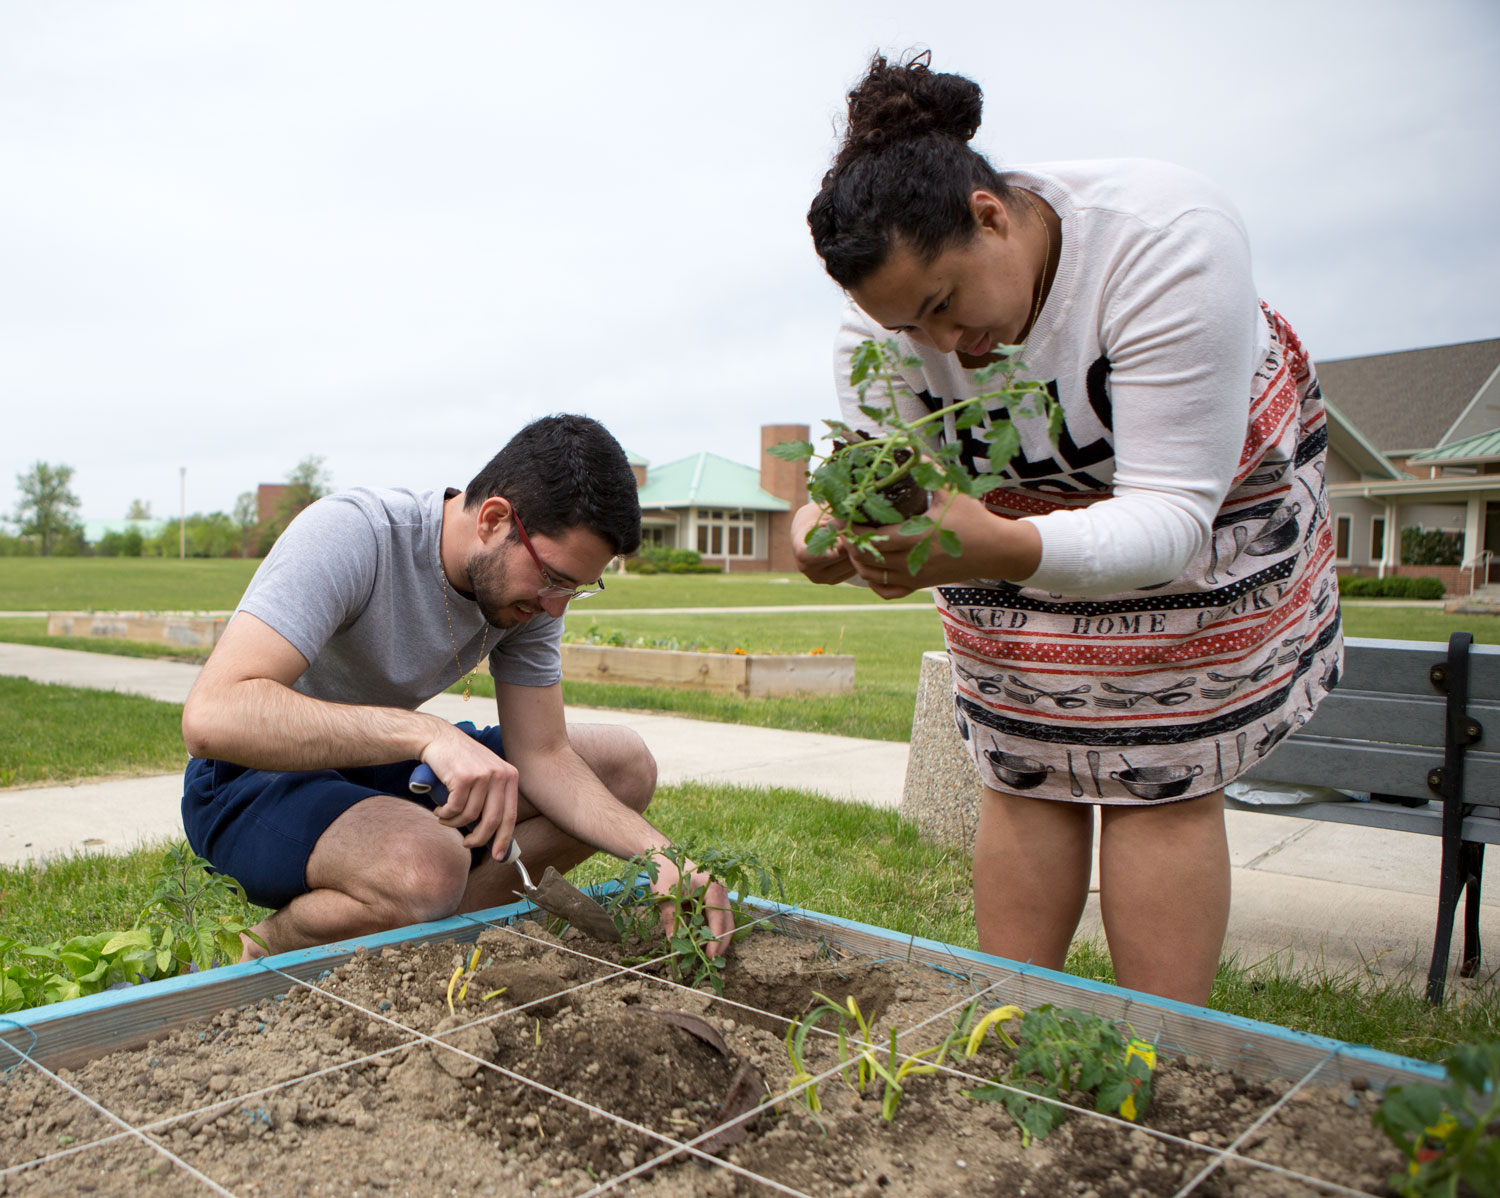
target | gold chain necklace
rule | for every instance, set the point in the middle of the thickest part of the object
(448, 615)
(1041, 286)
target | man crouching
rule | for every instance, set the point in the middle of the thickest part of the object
(304, 728)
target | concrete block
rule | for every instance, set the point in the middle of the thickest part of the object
(942, 790)
(184, 631)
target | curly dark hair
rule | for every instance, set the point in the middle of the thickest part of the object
(562, 472)
(905, 170)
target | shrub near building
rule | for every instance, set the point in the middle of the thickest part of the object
(654, 559)
(1358, 587)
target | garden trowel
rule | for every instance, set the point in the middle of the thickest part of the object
(554, 894)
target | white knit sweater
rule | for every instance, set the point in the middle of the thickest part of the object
(1153, 292)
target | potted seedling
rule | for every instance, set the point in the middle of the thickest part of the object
(867, 481)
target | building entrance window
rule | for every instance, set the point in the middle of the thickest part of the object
(726, 533)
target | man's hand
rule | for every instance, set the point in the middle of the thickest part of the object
(833, 566)
(715, 901)
(482, 789)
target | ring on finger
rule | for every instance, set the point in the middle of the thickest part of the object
(885, 578)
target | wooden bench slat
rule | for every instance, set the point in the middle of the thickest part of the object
(1427, 821)
(1306, 759)
(1403, 666)
(1367, 716)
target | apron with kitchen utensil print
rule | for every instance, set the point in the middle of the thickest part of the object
(1164, 693)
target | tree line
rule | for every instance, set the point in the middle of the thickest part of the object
(47, 524)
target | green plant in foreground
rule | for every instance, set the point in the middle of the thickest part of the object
(636, 909)
(195, 914)
(1059, 1052)
(193, 921)
(1450, 1134)
(859, 483)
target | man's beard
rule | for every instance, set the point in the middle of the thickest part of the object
(487, 578)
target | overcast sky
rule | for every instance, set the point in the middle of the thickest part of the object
(389, 234)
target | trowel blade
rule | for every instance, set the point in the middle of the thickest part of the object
(557, 896)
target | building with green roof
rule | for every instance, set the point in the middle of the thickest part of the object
(735, 515)
(1414, 443)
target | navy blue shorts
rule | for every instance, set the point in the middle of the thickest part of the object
(259, 826)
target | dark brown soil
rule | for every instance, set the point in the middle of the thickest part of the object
(904, 494)
(569, 1077)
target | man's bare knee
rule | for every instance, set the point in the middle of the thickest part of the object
(620, 759)
(426, 881)
(634, 783)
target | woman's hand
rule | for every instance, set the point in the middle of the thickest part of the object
(992, 547)
(833, 566)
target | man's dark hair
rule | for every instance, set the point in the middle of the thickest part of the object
(563, 472)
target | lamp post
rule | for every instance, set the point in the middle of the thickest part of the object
(182, 513)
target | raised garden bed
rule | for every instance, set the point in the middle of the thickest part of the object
(184, 631)
(343, 1069)
(753, 675)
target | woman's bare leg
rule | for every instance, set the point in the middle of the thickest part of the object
(1031, 876)
(1164, 894)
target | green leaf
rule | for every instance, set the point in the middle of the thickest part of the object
(949, 543)
(1054, 421)
(792, 451)
(917, 558)
(926, 474)
(916, 526)
(1108, 1097)
(135, 938)
(968, 417)
(881, 510)
(1004, 444)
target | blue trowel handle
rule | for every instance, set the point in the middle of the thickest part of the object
(425, 782)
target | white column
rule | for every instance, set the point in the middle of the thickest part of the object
(1390, 552)
(1474, 539)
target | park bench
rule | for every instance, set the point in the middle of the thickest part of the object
(1406, 724)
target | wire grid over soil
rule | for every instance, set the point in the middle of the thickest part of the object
(558, 1070)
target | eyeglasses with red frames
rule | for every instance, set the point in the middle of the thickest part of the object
(550, 589)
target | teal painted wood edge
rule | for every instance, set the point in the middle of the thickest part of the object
(282, 961)
(464, 923)
(1361, 1052)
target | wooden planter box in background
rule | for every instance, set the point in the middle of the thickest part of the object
(753, 675)
(188, 632)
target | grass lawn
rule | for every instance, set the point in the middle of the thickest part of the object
(60, 733)
(122, 583)
(887, 645)
(841, 859)
(201, 584)
(856, 863)
(1377, 620)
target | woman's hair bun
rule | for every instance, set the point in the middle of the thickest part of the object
(904, 100)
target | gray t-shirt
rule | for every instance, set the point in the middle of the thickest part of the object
(354, 584)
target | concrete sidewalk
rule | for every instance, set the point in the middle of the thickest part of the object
(1311, 894)
(117, 814)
